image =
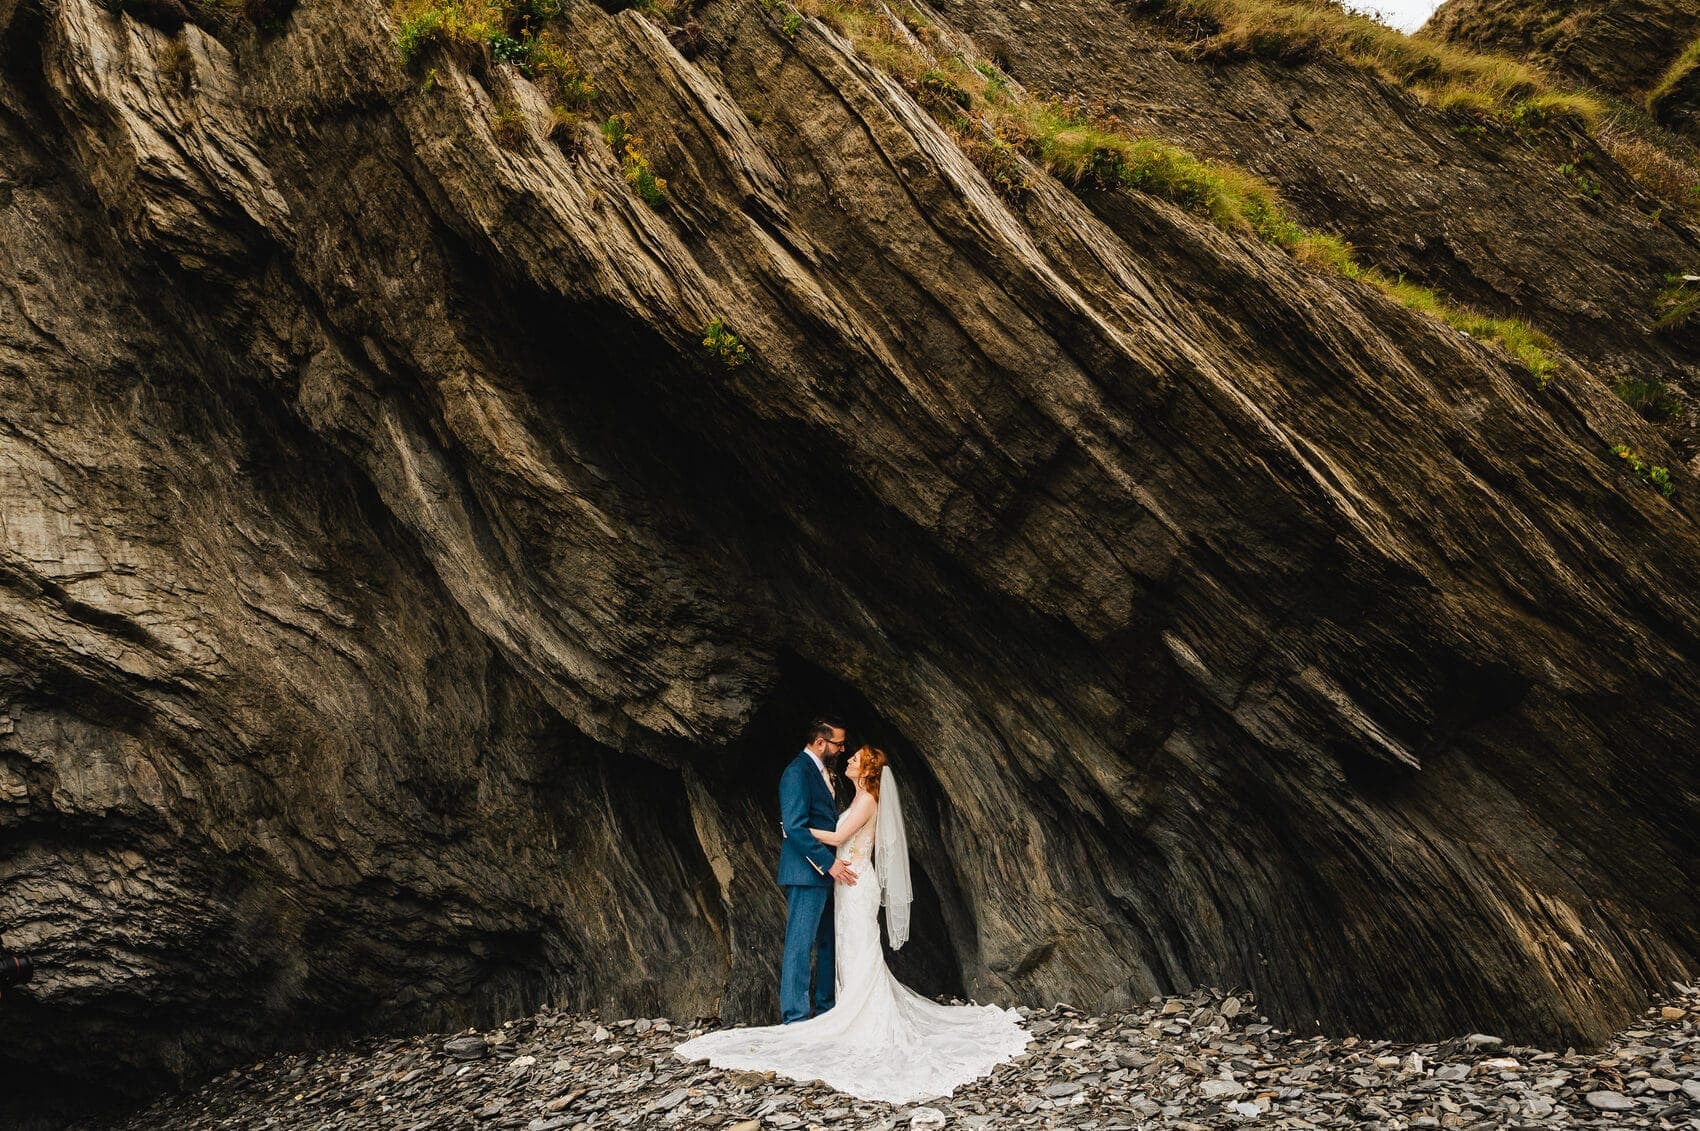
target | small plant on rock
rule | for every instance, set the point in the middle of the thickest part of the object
(633, 163)
(1000, 162)
(724, 344)
(177, 65)
(508, 126)
(940, 91)
(1651, 397)
(1585, 184)
(1656, 477)
(577, 91)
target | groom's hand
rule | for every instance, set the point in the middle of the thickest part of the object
(842, 873)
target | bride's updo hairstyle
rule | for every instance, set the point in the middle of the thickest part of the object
(873, 761)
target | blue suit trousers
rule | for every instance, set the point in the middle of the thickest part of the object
(808, 932)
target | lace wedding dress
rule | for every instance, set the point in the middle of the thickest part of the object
(881, 1040)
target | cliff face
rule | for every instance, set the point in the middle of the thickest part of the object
(1621, 47)
(1642, 50)
(406, 616)
(1557, 232)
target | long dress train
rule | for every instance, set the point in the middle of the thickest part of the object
(881, 1040)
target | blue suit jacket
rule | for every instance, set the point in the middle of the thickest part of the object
(805, 803)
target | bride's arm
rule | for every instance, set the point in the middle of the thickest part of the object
(854, 818)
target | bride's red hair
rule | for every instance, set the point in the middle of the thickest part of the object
(873, 761)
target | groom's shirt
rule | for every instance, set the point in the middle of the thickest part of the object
(821, 766)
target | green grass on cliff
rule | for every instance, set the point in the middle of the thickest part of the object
(1528, 345)
(522, 33)
(1483, 89)
(1088, 150)
(1678, 303)
(519, 32)
(1679, 69)
(1441, 74)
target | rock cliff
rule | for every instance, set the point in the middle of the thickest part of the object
(1645, 51)
(418, 549)
(1621, 47)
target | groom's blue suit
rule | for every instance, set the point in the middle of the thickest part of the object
(805, 802)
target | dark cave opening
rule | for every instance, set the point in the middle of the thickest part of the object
(929, 963)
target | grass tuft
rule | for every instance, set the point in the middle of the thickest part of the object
(177, 65)
(508, 126)
(1681, 67)
(1678, 303)
(1528, 345)
(1652, 158)
(1651, 397)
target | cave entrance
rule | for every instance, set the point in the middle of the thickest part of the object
(930, 962)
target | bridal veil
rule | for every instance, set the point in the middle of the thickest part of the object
(891, 862)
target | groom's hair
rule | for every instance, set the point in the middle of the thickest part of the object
(822, 727)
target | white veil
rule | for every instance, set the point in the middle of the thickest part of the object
(891, 861)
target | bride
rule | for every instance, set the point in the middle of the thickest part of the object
(881, 1040)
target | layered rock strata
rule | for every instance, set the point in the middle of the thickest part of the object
(404, 617)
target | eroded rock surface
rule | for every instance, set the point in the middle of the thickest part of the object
(404, 618)
(1619, 47)
(1642, 51)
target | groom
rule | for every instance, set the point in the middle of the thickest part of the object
(807, 869)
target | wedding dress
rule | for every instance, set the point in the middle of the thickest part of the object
(881, 1040)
